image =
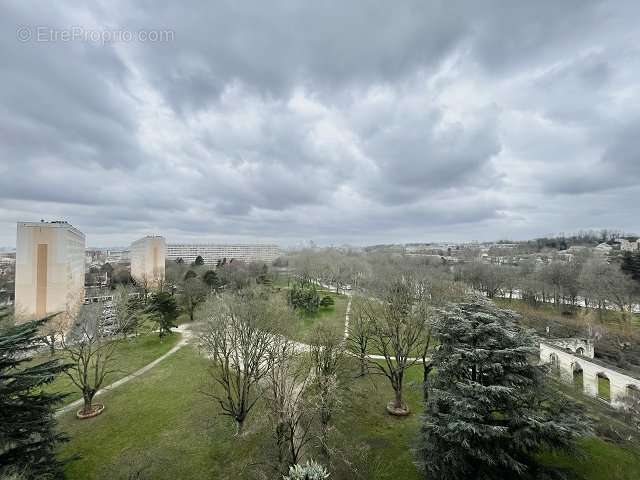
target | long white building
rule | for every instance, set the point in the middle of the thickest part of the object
(147, 259)
(212, 253)
(49, 269)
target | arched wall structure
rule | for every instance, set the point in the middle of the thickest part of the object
(619, 382)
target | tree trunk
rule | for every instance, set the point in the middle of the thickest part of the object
(425, 380)
(239, 427)
(281, 444)
(88, 400)
(397, 402)
(52, 345)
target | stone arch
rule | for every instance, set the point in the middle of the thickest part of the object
(554, 361)
(578, 376)
(580, 351)
(604, 387)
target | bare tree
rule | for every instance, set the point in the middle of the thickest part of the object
(360, 332)
(398, 334)
(90, 352)
(237, 336)
(286, 387)
(144, 283)
(194, 292)
(592, 285)
(126, 309)
(621, 291)
(305, 264)
(53, 331)
(327, 360)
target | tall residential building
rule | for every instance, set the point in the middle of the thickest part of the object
(212, 253)
(49, 270)
(147, 259)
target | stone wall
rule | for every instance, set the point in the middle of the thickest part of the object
(564, 363)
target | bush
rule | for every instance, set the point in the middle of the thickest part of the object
(304, 297)
(309, 471)
(327, 301)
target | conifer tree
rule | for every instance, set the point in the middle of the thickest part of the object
(489, 411)
(28, 436)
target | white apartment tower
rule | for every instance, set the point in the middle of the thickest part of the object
(147, 259)
(49, 270)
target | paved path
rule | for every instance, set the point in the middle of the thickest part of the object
(346, 318)
(186, 336)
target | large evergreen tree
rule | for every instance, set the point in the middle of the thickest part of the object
(631, 264)
(28, 436)
(489, 411)
(164, 308)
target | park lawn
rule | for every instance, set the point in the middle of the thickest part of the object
(331, 317)
(603, 461)
(158, 426)
(389, 439)
(131, 354)
(161, 426)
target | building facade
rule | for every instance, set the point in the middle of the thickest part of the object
(213, 253)
(117, 256)
(628, 246)
(49, 270)
(147, 259)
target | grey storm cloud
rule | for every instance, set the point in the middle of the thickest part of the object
(341, 121)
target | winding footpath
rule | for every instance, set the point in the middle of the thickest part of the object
(186, 336)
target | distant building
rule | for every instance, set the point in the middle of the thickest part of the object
(49, 269)
(147, 259)
(628, 246)
(212, 253)
(118, 256)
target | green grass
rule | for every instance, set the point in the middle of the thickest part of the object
(389, 439)
(610, 318)
(158, 425)
(131, 354)
(602, 461)
(604, 389)
(162, 427)
(330, 317)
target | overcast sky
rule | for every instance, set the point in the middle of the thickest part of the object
(343, 122)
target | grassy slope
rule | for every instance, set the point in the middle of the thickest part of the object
(604, 461)
(331, 317)
(163, 426)
(158, 425)
(131, 355)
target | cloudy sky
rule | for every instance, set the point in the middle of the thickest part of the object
(359, 122)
